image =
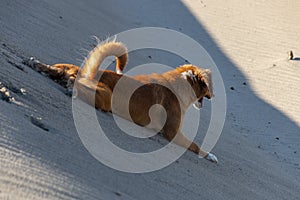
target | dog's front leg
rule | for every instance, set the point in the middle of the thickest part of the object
(181, 140)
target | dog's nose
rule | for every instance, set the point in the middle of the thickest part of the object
(209, 96)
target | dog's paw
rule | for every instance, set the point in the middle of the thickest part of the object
(119, 72)
(31, 62)
(71, 92)
(211, 157)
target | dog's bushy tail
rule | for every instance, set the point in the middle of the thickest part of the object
(99, 53)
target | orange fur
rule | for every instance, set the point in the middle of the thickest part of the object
(154, 89)
(174, 90)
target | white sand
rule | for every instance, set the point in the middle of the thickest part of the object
(249, 43)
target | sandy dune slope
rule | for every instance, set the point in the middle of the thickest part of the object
(41, 155)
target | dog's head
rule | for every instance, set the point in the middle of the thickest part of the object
(201, 82)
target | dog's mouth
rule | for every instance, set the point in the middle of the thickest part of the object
(198, 104)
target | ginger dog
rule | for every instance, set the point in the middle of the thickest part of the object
(174, 90)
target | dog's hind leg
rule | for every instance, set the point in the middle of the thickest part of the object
(64, 74)
(44, 68)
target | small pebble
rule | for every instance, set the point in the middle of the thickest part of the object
(118, 193)
(23, 91)
(5, 94)
(37, 121)
(290, 55)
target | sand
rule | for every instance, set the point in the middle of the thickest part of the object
(41, 155)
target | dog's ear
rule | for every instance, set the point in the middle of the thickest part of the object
(203, 78)
(189, 74)
(206, 81)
